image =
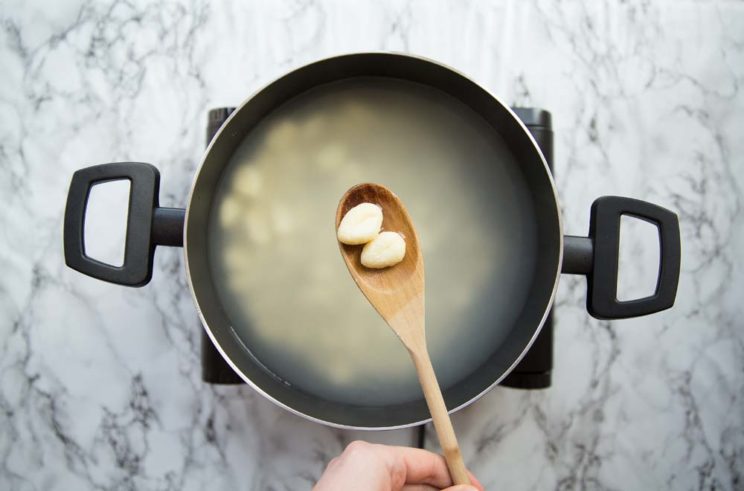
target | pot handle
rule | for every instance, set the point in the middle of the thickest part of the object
(148, 225)
(597, 257)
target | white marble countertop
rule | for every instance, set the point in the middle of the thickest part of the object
(100, 385)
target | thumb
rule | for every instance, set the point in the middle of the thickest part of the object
(462, 487)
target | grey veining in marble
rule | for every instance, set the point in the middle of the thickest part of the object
(100, 385)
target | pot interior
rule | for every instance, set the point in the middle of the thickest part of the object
(270, 282)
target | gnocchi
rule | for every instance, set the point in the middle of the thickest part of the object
(360, 225)
(385, 250)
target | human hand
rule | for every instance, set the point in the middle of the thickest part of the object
(369, 467)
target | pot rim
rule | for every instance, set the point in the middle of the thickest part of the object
(247, 379)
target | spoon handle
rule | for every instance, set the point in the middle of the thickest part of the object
(440, 417)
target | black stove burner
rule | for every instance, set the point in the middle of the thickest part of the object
(533, 372)
(535, 369)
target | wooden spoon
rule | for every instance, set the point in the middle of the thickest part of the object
(397, 293)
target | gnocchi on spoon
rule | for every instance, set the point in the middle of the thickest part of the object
(397, 293)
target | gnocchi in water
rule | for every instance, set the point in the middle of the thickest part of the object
(361, 225)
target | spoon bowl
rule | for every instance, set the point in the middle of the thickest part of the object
(397, 293)
(396, 219)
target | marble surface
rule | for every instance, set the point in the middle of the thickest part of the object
(100, 385)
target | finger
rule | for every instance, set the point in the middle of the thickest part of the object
(475, 482)
(461, 487)
(360, 462)
(422, 466)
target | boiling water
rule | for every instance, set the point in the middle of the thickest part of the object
(274, 254)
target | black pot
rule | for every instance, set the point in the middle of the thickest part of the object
(595, 256)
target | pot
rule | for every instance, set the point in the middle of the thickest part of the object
(594, 256)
